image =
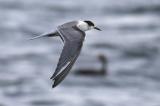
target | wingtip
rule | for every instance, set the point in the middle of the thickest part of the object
(54, 84)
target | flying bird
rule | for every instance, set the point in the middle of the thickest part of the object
(72, 34)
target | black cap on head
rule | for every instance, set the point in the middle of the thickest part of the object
(90, 23)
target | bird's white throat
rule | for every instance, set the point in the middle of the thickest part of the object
(83, 26)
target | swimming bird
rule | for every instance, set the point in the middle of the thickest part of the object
(72, 34)
(95, 72)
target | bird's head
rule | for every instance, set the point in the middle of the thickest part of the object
(102, 58)
(87, 25)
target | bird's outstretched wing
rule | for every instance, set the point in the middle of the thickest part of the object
(73, 41)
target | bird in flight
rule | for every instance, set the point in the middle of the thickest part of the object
(72, 34)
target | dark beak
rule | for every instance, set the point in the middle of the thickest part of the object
(97, 28)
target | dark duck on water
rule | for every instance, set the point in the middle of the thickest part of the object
(95, 72)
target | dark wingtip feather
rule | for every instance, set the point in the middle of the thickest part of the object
(59, 78)
(52, 77)
(54, 85)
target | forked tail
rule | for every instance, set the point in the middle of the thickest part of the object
(51, 34)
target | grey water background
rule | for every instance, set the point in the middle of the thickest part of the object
(130, 39)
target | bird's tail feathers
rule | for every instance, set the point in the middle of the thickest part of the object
(51, 34)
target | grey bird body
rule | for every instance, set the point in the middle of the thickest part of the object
(72, 35)
(73, 40)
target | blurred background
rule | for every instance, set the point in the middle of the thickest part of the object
(130, 41)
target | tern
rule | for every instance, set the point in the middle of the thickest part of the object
(72, 34)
